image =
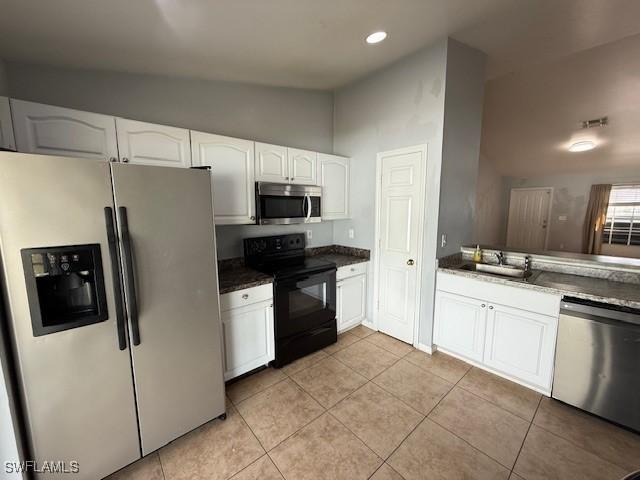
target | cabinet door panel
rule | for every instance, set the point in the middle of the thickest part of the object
(150, 144)
(302, 166)
(7, 139)
(521, 344)
(460, 325)
(272, 164)
(50, 130)
(351, 301)
(232, 173)
(333, 176)
(248, 338)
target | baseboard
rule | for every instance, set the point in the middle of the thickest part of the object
(426, 348)
(369, 324)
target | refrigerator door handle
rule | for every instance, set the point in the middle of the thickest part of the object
(115, 273)
(128, 266)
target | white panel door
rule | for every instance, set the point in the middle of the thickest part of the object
(302, 166)
(521, 344)
(232, 173)
(529, 210)
(401, 200)
(7, 139)
(351, 301)
(50, 130)
(333, 176)
(248, 338)
(150, 144)
(460, 324)
(272, 164)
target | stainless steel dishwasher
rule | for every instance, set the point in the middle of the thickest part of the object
(597, 366)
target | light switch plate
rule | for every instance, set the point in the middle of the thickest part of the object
(309, 234)
(443, 241)
(351, 233)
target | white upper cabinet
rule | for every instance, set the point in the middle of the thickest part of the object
(232, 171)
(272, 164)
(7, 139)
(302, 166)
(333, 176)
(149, 144)
(50, 130)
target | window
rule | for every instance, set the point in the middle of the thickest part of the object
(622, 226)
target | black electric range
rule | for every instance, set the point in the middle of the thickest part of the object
(304, 294)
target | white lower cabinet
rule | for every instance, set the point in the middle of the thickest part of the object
(463, 331)
(510, 331)
(351, 296)
(521, 344)
(247, 325)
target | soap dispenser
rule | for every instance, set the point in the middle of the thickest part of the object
(477, 255)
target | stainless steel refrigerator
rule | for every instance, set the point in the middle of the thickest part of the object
(110, 281)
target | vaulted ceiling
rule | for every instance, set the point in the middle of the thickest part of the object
(315, 44)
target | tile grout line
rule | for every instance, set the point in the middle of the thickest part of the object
(576, 445)
(500, 406)
(164, 476)
(525, 437)
(425, 418)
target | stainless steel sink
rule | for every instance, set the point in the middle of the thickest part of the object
(500, 270)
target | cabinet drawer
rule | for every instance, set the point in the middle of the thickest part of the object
(489, 292)
(351, 270)
(240, 298)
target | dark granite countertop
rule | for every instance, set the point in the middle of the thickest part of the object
(588, 288)
(234, 275)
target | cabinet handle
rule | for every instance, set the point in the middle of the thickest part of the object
(292, 179)
(245, 296)
(113, 159)
(483, 305)
(410, 262)
(353, 269)
(490, 307)
(286, 178)
(125, 160)
(253, 218)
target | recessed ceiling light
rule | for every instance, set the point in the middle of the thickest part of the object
(582, 146)
(376, 37)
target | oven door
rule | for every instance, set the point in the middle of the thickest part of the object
(304, 303)
(282, 204)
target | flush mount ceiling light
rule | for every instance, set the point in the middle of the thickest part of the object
(582, 146)
(376, 37)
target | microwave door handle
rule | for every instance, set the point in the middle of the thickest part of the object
(308, 198)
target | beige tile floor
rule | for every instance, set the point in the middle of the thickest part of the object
(373, 407)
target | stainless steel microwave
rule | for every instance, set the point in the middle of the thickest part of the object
(284, 204)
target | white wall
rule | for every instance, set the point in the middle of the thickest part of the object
(286, 116)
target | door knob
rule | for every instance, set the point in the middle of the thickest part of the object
(410, 262)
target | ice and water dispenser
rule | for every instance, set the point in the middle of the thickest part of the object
(65, 286)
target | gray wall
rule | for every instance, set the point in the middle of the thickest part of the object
(4, 87)
(399, 106)
(461, 145)
(286, 116)
(492, 205)
(412, 102)
(570, 198)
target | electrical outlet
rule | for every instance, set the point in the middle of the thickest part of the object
(309, 234)
(351, 233)
(443, 241)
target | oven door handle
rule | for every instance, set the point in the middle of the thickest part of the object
(307, 198)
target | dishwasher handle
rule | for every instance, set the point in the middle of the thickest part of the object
(595, 310)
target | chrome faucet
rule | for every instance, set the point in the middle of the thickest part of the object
(500, 256)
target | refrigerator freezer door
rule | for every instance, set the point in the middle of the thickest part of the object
(178, 361)
(77, 385)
